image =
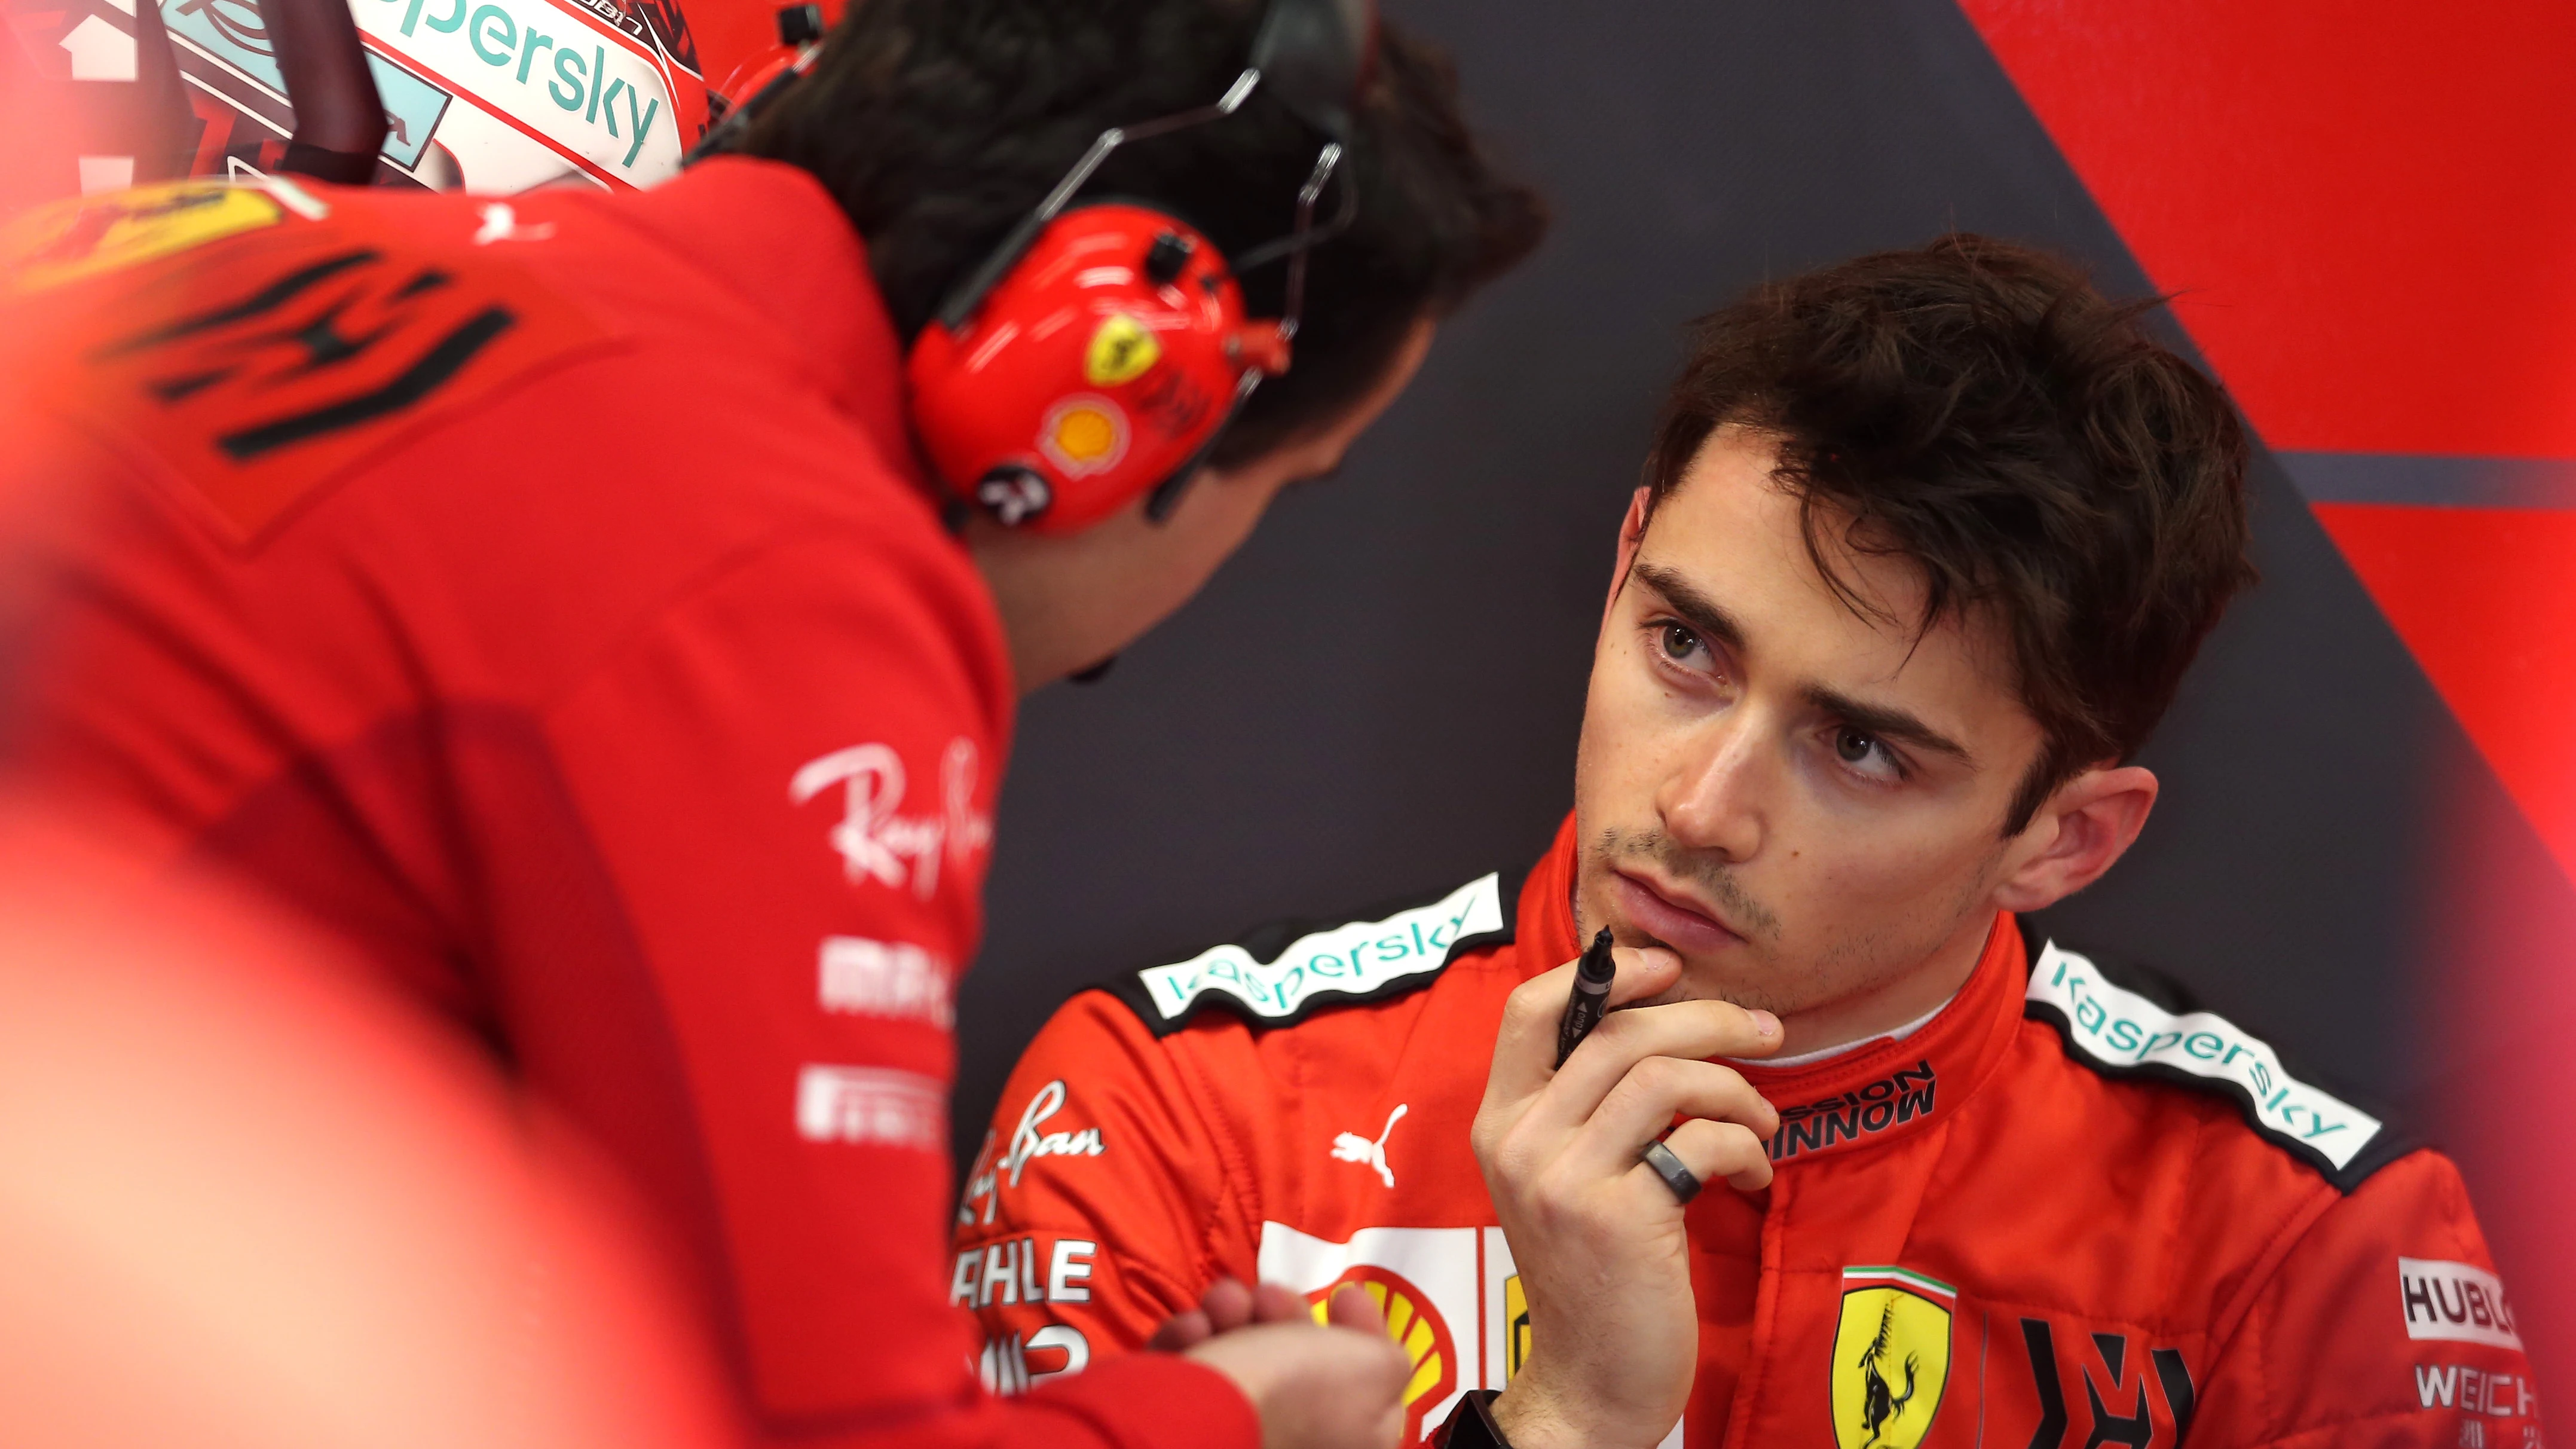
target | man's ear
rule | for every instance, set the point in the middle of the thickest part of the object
(2084, 827)
(1632, 532)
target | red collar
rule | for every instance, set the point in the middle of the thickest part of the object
(775, 237)
(1873, 1094)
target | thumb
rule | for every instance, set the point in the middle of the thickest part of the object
(1642, 972)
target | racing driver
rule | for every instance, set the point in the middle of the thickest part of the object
(1926, 541)
(549, 598)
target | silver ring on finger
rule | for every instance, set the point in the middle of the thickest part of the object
(1684, 1182)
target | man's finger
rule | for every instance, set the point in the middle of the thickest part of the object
(1278, 1303)
(1351, 1307)
(1525, 1047)
(1182, 1330)
(1689, 1030)
(1646, 1101)
(1718, 1150)
(1228, 1305)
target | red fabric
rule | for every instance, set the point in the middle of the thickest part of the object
(542, 595)
(2339, 193)
(247, 1199)
(2096, 1234)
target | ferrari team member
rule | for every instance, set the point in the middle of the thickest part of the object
(1927, 541)
(547, 597)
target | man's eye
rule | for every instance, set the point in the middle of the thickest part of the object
(1866, 752)
(1679, 642)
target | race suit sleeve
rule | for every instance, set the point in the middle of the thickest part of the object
(789, 778)
(2383, 1325)
(1102, 1202)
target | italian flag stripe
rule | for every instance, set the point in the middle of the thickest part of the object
(1900, 1275)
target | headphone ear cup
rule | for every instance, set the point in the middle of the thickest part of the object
(1100, 364)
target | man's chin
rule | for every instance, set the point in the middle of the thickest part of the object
(1713, 983)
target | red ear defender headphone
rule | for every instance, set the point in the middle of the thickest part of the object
(1100, 351)
(1102, 364)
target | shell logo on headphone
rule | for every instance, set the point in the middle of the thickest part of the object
(1084, 435)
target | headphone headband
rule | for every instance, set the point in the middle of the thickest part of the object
(1314, 56)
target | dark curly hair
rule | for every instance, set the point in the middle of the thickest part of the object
(1978, 408)
(938, 124)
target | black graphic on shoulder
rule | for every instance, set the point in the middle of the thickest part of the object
(1282, 972)
(434, 367)
(266, 372)
(288, 341)
(260, 303)
(2130, 1022)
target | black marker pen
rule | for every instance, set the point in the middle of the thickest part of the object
(1590, 999)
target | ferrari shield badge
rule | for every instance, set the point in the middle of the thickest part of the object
(72, 239)
(1121, 350)
(1891, 1357)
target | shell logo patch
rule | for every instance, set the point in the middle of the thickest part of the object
(1891, 1357)
(1121, 350)
(1084, 434)
(1416, 1326)
(79, 238)
(1516, 1327)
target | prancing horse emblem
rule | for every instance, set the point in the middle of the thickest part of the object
(1879, 1403)
(1891, 1357)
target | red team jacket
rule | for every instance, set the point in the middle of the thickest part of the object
(544, 595)
(2066, 1212)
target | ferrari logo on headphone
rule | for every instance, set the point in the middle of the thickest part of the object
(1891, 1357)
(1121, 351)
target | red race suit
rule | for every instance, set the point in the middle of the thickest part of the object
(2067, 1211)
(543, 594)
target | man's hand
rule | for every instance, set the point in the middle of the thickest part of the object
(1316, 1387)
(1597, 1236)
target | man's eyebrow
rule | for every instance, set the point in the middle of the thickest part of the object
(1698, 610)
(1885, 721)
(1711, 620)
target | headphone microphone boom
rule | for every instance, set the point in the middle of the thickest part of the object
(1101, 349)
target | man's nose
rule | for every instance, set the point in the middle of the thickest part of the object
(1718, 796)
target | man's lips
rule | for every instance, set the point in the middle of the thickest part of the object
(1670, 916)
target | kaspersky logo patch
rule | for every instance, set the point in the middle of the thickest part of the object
(2124, 1031)
(1352, 960)
(1891, 1357)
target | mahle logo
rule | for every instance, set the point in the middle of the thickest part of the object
(1891, 1357)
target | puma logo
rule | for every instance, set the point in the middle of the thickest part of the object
(501, 223)
(1352, 1147)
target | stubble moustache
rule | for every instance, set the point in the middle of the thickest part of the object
(1714, 878)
